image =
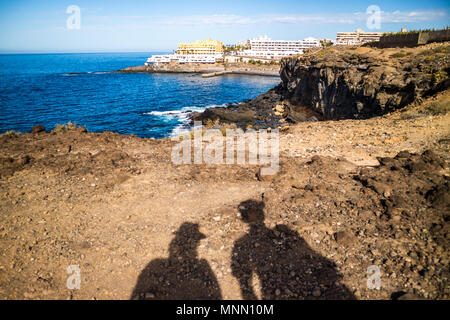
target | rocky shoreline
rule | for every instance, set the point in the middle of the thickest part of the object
(343, 83)
(207, 69)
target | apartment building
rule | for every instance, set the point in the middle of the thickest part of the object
(265, 47)
(356, 38)
(208, 46)
(243, 43)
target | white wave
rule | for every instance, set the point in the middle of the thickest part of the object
(163, 113)
(182, 116)
(179, 130)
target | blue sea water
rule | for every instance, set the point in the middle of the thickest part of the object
(40, 89)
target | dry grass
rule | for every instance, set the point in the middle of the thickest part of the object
(67, 127)
(437, 108)
(10, 133)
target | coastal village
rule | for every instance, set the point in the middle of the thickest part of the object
(260, 50)
(263, 56)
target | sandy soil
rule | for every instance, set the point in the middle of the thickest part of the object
(140, 227)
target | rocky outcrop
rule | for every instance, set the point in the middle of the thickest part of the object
(361, 83)
(174, 68)
(214, 69)
(343, 83)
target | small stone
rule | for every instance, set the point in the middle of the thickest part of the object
(266, 174)
(279, 108)
(316, 292)
(149, 295)
(343, 237)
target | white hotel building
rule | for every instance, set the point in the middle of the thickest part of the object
(264, 47)
(184, 58)
(206, 51)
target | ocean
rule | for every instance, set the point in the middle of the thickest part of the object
(50, 89)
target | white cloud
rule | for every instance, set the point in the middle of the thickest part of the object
(147, 22)
(343, 18)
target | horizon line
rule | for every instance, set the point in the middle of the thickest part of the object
(84, 52)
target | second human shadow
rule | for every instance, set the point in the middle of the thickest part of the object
(285, 264)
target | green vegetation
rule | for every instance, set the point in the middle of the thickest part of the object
(413, 31)
(325, 43)
(10, 133)
(234, 48)
(67, 127)
(260, 62)
(400, 54)
(429, 52)
(411, 115)
(437, 108)
(321, 54)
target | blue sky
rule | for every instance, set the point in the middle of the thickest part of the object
(138, 25)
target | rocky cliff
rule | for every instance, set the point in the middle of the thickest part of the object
(364, 82)
(343, 83)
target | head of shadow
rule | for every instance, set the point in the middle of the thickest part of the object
(182, 276)
(278, 264)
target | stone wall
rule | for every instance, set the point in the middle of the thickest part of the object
(412, 39)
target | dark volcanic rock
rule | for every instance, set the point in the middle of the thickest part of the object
(395, 219)
(227, 114)
(38, 129)
(257, 112)
(350, 85)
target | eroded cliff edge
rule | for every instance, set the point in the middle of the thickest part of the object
(344, 83)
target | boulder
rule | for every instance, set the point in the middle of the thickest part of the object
(38, 129)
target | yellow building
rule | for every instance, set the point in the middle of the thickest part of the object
(207, 46)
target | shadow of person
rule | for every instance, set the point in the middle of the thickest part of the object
(182, 276)
(286, 266)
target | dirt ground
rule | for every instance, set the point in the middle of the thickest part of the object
(140, 227)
